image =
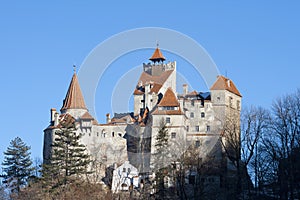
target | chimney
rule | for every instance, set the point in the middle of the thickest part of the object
(56, 117)
(108, 120)
(185, 89)
(228, 82)
(147, 87)
(52, 114)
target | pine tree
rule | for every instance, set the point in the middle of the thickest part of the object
(69, 158)
(162, 155)
(17, 165)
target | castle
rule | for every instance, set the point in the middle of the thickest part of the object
(192, 118)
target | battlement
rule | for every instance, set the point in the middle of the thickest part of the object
(157, 69)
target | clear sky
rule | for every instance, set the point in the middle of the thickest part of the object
(257, 43)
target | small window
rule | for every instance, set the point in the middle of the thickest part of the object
(168, 120)
(230, 102)
(120, 134)
(97, 134)
(187, 128)
(113, 134)
(173, 135)
(207, 128)
(142, 100)
(192, 115)
(197, 129)
(202, 115)
(124, 169)
(89, 133)
(197, 143)
(238, 106)
(192, 102)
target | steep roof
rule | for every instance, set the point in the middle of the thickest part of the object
(74, 98)
(157, 56)
(161, 79)
(223, 83)
(86, 115)
(167, 112)
(154, 89)
(169, 99)
(158, 81)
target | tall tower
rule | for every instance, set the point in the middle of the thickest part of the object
(73, 108)
(225, 98)
(156, 78)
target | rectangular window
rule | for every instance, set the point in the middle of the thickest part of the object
(238, 106)
(197, 143)
(202, 115)
(97, 134)
(187, 128)
(173, 135)
(192, 115)
(168, 120)
(192, 102)
(124, 169)
(197, 129)
(207, 128)
(230, 102)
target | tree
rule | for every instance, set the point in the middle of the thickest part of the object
(161, 155)
(69, 158)
(284, 140)
(255, 122)
(17, 165)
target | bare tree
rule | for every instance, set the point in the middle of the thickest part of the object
(286, 131)
(254, 123)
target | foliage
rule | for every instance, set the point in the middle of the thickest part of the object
(69, 158)
(17, 165)
(161, 155)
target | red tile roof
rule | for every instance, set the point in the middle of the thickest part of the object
(193, 93)
(169, 99)
(157, 56)
(87, 115)
(74, 97)
(167, 112)
(155, 89)
(145, 77)
(223, 83)
(158, 81)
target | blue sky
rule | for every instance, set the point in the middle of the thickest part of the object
(256, 42)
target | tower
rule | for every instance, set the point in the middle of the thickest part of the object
(156, 78)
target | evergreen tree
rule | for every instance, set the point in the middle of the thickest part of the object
(162, 158)
(17, 165)
(69, 158)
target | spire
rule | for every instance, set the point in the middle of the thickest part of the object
(74, 98)
(157, 55)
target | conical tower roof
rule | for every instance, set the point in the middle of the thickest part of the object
(74, 98)
(157, 56)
